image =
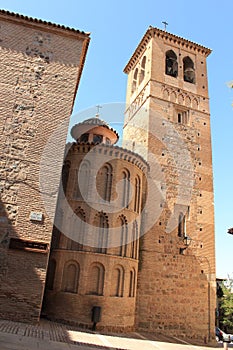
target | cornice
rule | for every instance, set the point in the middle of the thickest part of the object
(166, 36)
(35, 22)
(115, 152)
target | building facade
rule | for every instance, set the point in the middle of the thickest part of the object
(129, 233)
(95, 249)
(168, 123)
(41, 65)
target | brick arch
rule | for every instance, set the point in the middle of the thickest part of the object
(137, 193)
(104, 181)
(134, 243)
(171, 64)
(117, 281)
(134, 80)
(195, 103)
(70, 278)
(181, 99)
(82, 179)
(132, 282)
(125, 175)
(123, 225)
(187, 101)
(142, 70)
(77, 229)
(100, 234)
(166, 93)
(96, 279)
(188, 70)
(173, 96)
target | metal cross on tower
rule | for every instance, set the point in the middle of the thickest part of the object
(98, 111)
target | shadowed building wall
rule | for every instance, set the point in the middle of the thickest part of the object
(40, 65)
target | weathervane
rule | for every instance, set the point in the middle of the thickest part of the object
(98, 111)
(165, 25)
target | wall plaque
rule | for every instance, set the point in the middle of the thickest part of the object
(36, 216)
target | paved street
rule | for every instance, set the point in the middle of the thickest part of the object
(55, 336)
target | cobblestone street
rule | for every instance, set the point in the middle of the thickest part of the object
(55, 336)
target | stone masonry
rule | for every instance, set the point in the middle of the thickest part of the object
(168, 122)
(41, 65)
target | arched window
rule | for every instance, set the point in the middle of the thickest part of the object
(142, 71)
(137, 194)
(117, 282)
(134, 82)
(65, 175)
(134, 241)
(188, 70)
(101, 233)
(77, 230)
(82, 179)
(181, 225)
(70, 277)
(104, 182)
(51, 274)
(84, 138)
(171, 64)
(132, 281)
(124, 236)
(96, 279)
(126, 188)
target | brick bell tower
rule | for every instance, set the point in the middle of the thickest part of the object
(167, 121)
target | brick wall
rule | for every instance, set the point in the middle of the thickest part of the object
(176, 284)
(40, 67)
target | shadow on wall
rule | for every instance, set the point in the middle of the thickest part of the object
(21, 268)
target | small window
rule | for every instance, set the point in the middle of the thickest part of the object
(142, 71)
(84, 138)
(135, 78)
(171, 64)
(182, 117)
(97, 138)
(108, 141)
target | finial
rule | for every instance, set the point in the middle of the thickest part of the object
(165, 25)
(98, 111)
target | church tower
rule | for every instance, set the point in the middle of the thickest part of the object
(167, 121)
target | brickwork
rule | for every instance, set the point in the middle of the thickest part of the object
(162, 281)
(105, 275)
(176, 283)
(40, 66)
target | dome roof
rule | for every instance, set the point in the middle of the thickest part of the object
(94, 125)
(94, 121)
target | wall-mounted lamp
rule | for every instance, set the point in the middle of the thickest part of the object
(186, 241)
(230, 231)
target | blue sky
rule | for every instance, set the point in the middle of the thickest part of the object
(116, 28)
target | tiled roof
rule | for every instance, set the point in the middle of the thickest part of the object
(95, 121)
(40, 21)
